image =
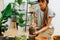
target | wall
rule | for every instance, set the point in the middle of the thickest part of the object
(1, 6)
(55, 6)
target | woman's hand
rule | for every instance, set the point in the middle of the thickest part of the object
(36, 33)
(31, 36)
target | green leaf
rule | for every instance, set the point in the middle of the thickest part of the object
(30, 3)
(15, 12)
(0, 22)
(5, 17)
(19, 2)
(21, 15)
(6, 13)
(21, 38)
(22, 24)
(20, 20)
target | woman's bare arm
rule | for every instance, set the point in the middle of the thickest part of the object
(47, 26)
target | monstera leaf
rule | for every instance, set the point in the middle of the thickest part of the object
(6, 13)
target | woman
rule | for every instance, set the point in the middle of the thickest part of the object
(42, 20)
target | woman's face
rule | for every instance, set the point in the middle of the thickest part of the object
(43, 4)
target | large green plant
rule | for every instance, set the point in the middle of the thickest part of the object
(10, 10)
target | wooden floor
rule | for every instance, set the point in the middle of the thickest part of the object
(14, 32)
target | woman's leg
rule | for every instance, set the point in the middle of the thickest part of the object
(46, 34)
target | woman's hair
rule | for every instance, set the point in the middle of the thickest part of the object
(43, 0)
(45, 18)
(45, 21)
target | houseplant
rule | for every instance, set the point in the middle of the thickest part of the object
(10, 11)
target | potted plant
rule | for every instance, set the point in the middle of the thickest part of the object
(11, 12)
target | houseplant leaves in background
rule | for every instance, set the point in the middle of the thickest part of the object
(18, 1)
(6, 13)
(20, 20)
